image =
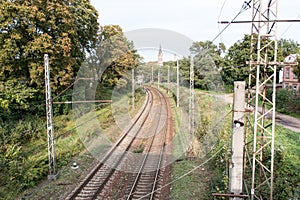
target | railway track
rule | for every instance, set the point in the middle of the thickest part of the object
(146, 178)
(148, 131)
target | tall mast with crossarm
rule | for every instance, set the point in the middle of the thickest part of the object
(50, 129)
(263, 68)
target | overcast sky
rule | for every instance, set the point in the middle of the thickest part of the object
(196, 19)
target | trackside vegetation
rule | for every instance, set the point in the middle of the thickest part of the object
(200, 177)
(69, 32)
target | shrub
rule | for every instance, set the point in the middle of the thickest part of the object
(288, 102)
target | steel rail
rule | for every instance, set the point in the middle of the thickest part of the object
(149, 103)
(157, 170)
(162, 150)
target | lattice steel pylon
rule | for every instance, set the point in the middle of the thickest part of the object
(263, 68)
(192, 99)
(50, 128)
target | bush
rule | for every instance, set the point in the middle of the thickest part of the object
(288, 102)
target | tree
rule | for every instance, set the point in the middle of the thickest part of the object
(208, 61)
(109, 64)
(212, 50)
(286, 47)
(64, 29)
(235, 67)
(116, 54)
(14, 95)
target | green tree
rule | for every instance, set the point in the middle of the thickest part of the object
(109, 64)
(286, 47)
(64, 29)
(14, 95)
(211, 50)
(119, 55)
(116, 55)
(235, 67)
(208, 60)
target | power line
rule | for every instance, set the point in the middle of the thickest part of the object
(263, 21)
(200, 165)
(245, 7)
(288, 27)
(64, 90)
(186, 174)
(221, 10)
(63, 134)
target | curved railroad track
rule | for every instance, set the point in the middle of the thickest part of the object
(149, 132)
(146, 179)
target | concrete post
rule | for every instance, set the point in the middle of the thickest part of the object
(236, 169)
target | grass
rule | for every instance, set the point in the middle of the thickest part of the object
(288, 142)
(31, 164)
(69, 148)
(195, 185)
(293, 115)
(200, 183)
(192, 186)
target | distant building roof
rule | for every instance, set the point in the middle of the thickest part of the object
(291, 58)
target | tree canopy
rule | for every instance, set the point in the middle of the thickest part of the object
(64, 29)
(286, 47)
(207, 62)
(109, 64)
(117, 53)
(235, 65)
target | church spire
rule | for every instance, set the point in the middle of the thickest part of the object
(160, 57)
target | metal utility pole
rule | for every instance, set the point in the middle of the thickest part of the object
(152, 74)
(160, 64)
(177, 80)
(158, 76)
(50, 129)
(133, 90)
(262, 76)
(237, 166)
(168, 79)
(192, 99)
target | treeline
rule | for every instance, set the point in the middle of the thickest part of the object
(69, 32)
(66, 30)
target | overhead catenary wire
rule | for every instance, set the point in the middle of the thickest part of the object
(64, 90)
(187, 173)
(205, 162)
(264, 21)
(245, 6)
(221, 11)
(34, 106)
(44, 144)
(287, 29)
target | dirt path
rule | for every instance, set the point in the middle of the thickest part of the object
(289, 122)
(286, 121)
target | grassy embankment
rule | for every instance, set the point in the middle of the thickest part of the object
(24, 167)
(197, 179)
